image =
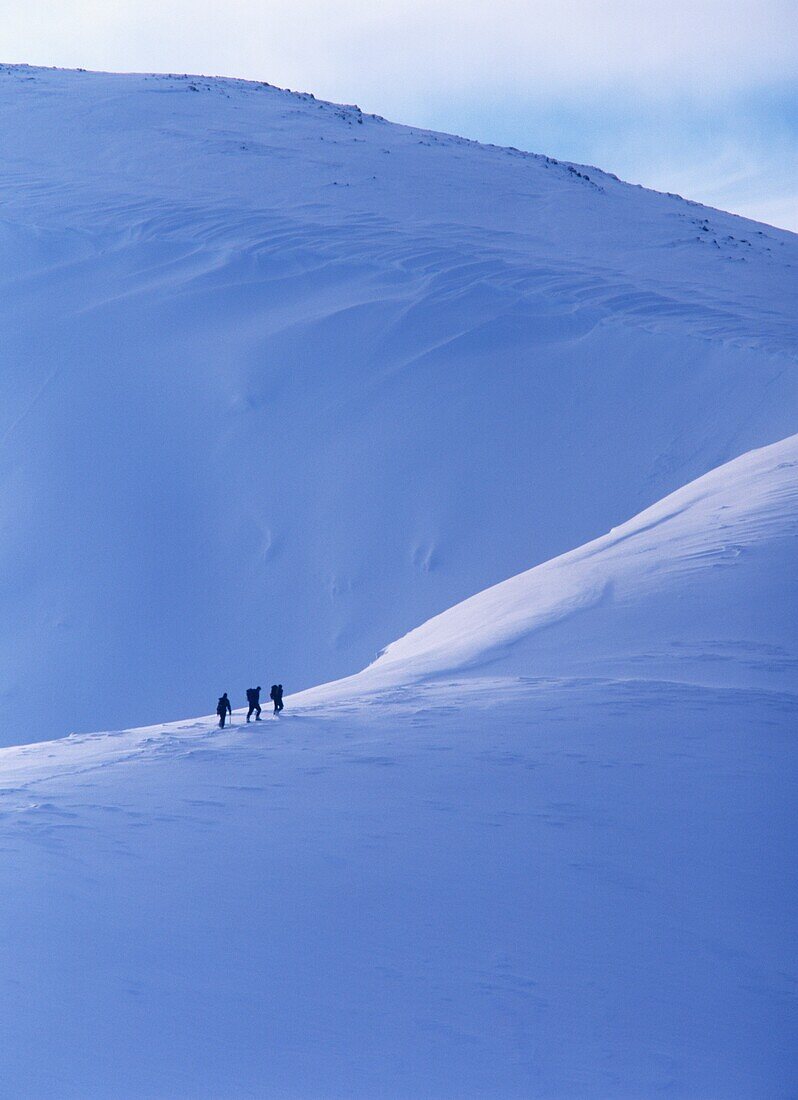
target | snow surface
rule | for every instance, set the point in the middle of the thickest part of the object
(713, 565)
(281, 381)
(445, 877)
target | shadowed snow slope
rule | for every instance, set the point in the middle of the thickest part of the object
(281, 380)
(445, 878)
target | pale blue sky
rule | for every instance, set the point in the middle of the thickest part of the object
(693, 96)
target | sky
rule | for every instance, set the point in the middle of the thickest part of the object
(699, 97)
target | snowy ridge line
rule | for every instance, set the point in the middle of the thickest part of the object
(208, 82)
(661, 304)
(349, 111)
(707, 523)
(568, 170)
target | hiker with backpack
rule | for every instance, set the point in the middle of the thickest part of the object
(276, 695)
(223, 708)
(253, 700)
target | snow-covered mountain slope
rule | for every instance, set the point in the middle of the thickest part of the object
(280, 380)
(445, 877)
(701, 587)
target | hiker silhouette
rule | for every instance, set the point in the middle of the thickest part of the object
(223, 708)
(253, 700)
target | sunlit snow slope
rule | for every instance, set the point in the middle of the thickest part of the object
(281, 380)
(543, 847)
(701, 587)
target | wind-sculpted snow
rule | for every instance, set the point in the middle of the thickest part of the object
(281, 380)
(702, 586)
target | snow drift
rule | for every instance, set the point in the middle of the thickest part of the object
(454, 874)
(700, 587)
(281, 380)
